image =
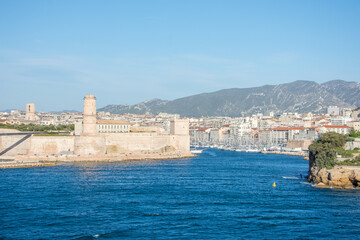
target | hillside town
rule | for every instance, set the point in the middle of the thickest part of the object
(289, 131)
(285, 132)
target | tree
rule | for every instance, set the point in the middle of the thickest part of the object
(322, 153)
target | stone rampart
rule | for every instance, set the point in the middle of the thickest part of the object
(21, 149)
(50, 145)
(98, 145)
(180, 142)
(142, 142)
(90, 145)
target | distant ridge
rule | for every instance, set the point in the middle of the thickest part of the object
(55, 112)
(298, 96)
(68, 111)
(6, 110)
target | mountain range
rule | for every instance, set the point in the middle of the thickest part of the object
(298, 96)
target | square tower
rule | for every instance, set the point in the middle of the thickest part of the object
(179, 126)
(30, 112)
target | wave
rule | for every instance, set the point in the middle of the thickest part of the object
(211, 154)
(309, 184)
(290, 177)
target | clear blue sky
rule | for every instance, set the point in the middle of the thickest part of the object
(53, 53)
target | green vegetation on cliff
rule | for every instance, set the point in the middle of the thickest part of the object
(328, 151)
(352, 162)
(323, 151)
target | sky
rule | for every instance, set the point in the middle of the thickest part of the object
(53, 53)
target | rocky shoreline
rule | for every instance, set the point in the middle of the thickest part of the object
(346, 177)
(41, 161)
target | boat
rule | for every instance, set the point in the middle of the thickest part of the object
(253, 150)
(196, 151)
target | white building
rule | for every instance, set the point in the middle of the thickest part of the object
(340, 120)
(333, 110)
(355, 125)
(335, 128)
(112, 126)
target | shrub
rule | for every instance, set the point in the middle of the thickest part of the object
(345, 153)
(352, 162)
(355, 134)
(322, 153)
(38, 128)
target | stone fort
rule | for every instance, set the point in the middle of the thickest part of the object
(89, 141)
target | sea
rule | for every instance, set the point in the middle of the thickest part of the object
(218, 195)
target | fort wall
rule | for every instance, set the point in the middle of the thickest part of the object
(89, 145)
(7, 141)
(137, 142)
(181, 142)
(98, 145)
(49, 145)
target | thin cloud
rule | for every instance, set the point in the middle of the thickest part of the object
(281, 58)
(205, 58)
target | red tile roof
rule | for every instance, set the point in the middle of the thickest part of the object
(336, 126)
(202, 129)
(288, 128)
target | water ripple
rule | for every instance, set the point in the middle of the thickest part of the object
(219, 195)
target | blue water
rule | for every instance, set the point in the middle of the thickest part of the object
(219, 195)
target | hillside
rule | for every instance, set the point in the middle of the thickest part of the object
(299, 96)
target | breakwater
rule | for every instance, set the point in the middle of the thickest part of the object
(301, 154)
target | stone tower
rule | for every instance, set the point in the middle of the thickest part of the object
(179, 126)
(179, 129)
(30, 112)
(89, 116)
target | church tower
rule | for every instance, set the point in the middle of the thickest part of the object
(30, 112)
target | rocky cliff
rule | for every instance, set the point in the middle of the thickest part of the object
(337, 177)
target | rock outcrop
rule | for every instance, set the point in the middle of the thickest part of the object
(337, 177)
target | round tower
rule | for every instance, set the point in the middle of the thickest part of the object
(89, 116)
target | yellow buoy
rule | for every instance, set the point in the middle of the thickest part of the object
(274, 184)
